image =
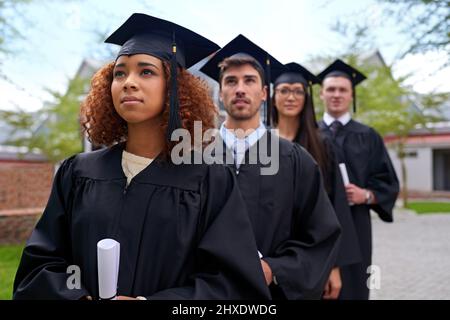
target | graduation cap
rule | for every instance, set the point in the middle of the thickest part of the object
(144, 34)
(340, 69)
(241, 47)
(296, 73)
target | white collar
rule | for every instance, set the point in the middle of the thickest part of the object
(344, 119)
(230, 138)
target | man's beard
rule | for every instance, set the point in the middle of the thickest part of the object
(241, 116)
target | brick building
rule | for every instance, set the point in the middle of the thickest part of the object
(25, 183)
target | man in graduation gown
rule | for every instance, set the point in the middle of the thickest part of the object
(296, 229)
(373, 182)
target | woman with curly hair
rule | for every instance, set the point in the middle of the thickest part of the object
(182, 229)
(293, 115)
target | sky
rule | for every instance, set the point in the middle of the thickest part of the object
(58, 35)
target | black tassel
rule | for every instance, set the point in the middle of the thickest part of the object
(353, 92)
(174, 112)
(310, 85)
(311, 93)
(268, 100)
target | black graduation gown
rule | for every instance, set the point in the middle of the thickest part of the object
(295, 226)
(183, 231)
(368, 165)
(349, 252)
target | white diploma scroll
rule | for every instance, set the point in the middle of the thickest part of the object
(108, 257)
(344, 175)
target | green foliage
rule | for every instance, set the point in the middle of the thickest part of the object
(9, 262)
(384, 102)
(392, 108)
(430, 207)
(62, 137)
(388, 104)
(56, 132)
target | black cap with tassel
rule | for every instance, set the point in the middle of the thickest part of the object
(296, 73)
(174, 113)
(242, 46)
(144, 34)
(268, 100)
(340, 69)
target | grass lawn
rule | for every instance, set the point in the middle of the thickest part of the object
(430, 207)
(9, 261)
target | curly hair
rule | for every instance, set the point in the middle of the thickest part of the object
(104, 126)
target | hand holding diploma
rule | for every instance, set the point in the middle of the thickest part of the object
(355, 194)
(345, 178)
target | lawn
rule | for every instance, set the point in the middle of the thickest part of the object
(9, 261)
(430, 207)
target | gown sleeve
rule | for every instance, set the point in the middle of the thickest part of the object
(382, 180)
(303, 263)
(227, 261)
(42, 272)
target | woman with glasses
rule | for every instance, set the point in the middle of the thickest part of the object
(293, 115)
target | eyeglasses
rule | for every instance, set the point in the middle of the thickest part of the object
(285, 92)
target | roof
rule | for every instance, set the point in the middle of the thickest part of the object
(432, 135)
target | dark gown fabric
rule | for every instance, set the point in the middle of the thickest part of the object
(183, 230)
(349, 252)
(295, 226)
(368, 165)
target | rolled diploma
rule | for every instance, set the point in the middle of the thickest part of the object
(108, 257)
(344, 175)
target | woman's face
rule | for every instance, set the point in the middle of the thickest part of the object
(289, 99)
(138, 88)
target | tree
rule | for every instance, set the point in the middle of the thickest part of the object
(56, 132)
(385, 103)
(426, 22)
(9, 9)
(394, 109)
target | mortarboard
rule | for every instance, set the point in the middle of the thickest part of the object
(296, 73)
(243, 46)
(340, 69)
(144, 34)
